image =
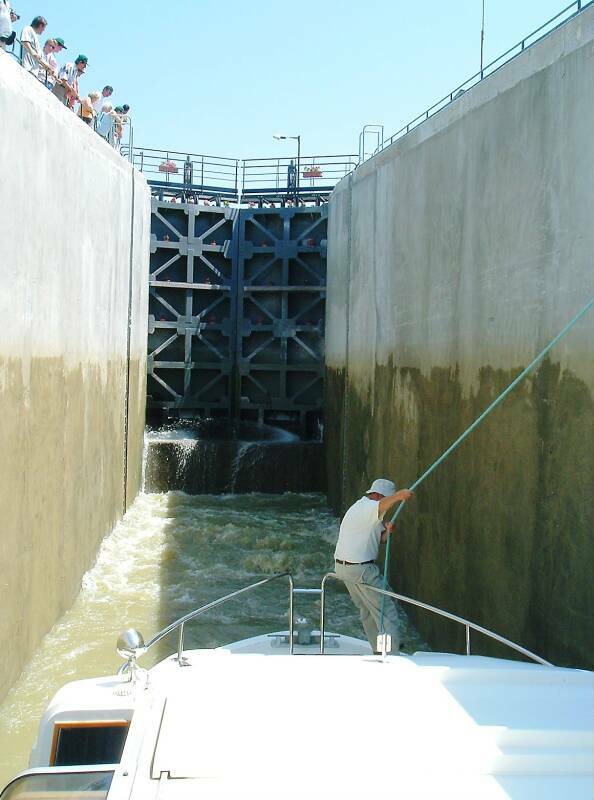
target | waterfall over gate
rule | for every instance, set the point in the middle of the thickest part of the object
(217, 457)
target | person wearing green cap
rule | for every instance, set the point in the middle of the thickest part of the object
(48, 76)
(66, 88)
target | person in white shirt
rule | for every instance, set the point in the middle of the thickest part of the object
(103, 98)
(66, 88)
(7, 17)
(361, 532)
(48, 76)
(32, 53)
(57, 47)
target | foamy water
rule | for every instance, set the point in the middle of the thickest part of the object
(172, 553)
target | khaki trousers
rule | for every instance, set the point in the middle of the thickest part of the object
(61, 93)
(370, 603)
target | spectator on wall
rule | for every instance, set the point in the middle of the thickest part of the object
(118, 130)
(105, 122)
(7, 17)
(48, 76)
(32, 52)
(103, 97)
(87, 112)
(59, 46)
(66, 88)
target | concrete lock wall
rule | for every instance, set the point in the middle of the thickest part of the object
(74, 233)
(454, 257)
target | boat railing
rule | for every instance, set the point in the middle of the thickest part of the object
(180, 624)
(453, 617)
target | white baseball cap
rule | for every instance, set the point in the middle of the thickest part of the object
(382, 486)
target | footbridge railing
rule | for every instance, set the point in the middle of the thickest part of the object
(173, 171)
(192, 176)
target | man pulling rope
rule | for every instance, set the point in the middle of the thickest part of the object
(361, 531)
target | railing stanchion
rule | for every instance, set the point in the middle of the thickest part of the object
(323, 611)
(291, 587)
(467, 640)
(180, 644)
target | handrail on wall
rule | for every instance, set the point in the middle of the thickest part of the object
(576, 7)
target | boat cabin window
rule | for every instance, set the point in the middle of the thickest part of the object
(59, 786)
(88, 743)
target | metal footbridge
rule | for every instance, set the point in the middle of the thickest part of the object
(238, 285)
(215, 179)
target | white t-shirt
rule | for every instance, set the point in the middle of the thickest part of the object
(43, 74)
(29, 63)
(98, 104)
(5, 21)
(360, 532)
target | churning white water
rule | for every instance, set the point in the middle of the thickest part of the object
(172, 553)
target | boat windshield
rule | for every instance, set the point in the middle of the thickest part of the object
(59, 786)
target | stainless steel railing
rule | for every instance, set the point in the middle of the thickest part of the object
(181, 622)
(453, 617)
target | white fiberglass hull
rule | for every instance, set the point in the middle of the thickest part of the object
(248, 720)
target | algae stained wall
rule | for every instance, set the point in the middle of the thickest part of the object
(74, 233)
(454, 257)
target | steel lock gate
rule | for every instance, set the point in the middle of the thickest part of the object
(236, 312)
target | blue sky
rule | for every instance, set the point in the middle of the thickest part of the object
(219, 78)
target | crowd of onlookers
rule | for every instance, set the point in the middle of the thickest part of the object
(94, 108)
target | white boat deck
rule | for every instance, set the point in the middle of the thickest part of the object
(429, 725)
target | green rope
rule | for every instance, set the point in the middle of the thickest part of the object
(469, 430)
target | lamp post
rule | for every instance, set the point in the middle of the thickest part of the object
(298, 138)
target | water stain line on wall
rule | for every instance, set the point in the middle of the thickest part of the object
(472, 427)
